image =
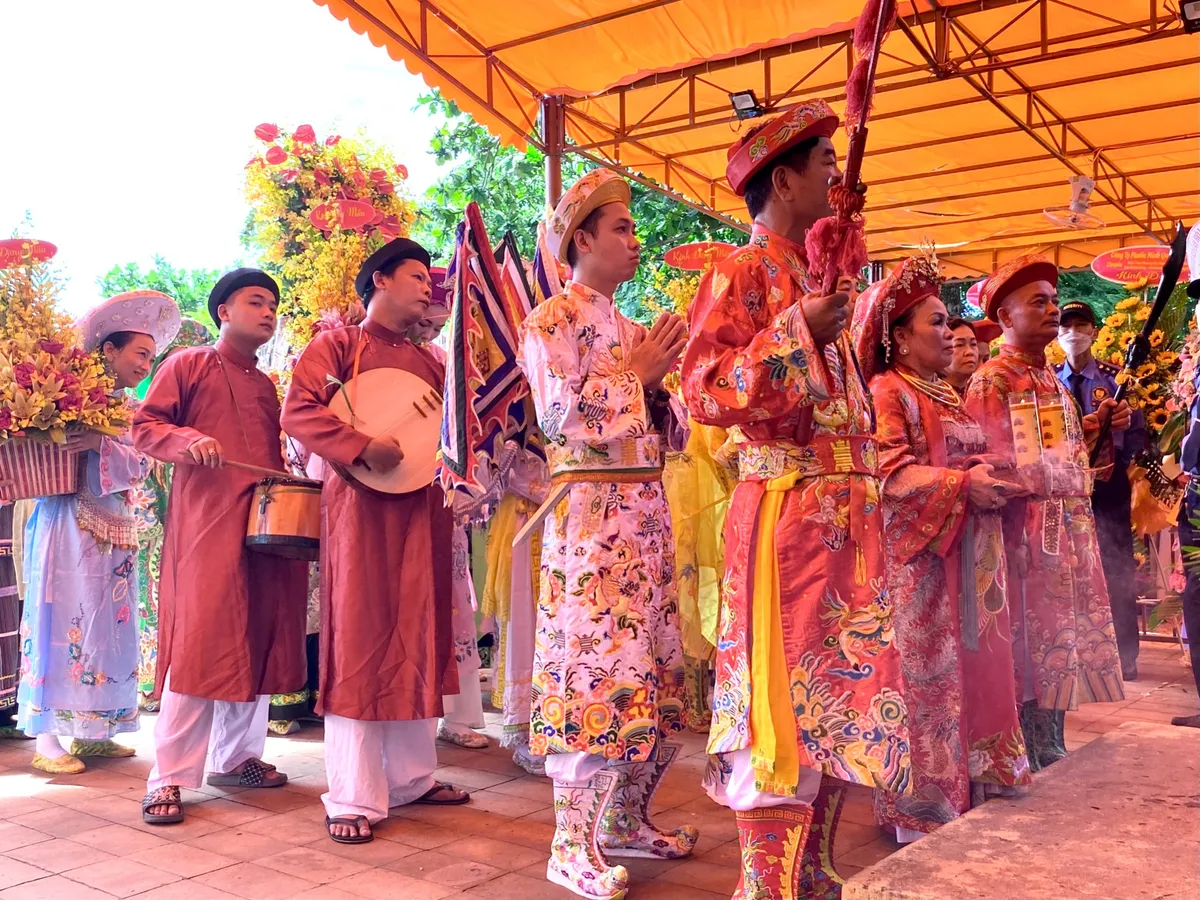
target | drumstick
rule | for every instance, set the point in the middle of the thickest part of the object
(271, 473)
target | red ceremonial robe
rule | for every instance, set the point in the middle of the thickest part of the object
(1064, 646)
(230, 621)
(386, 561)
(805, 416)
(958, 686)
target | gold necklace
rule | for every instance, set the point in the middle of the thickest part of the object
(940, 391)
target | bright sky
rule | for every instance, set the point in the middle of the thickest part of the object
(128, 124)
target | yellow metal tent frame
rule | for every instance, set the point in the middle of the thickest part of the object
(985, 108)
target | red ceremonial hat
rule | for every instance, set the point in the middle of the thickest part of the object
(884, 302)
(986, 330)
(1014, 274)
(760, 145)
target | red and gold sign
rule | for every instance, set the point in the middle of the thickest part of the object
(1126, 265)
(24, 252)
(697, 257)
(348, 215)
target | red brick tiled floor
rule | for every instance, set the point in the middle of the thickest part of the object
(82, 838)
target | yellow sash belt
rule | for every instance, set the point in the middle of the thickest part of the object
(774, 752)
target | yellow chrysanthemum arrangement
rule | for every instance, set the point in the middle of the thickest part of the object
(1148, 385)
(319, 209)
(48, 384)
(674, 291)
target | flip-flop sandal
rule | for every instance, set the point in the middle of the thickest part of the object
(255, 774)
(354, 821)
(163, 796)
(471, 740)
(427, 797)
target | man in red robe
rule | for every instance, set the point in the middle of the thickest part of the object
(807, 673)
(386, 641)
(1064, 646)
(231, 621)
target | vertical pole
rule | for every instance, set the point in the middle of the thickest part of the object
(554, 136)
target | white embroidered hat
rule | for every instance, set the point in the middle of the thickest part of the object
(145, 312)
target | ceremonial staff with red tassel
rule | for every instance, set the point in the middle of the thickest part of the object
(837, 245)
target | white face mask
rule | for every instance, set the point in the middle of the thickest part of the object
(1075, 343)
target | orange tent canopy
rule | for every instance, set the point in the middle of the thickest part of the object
(984, 110)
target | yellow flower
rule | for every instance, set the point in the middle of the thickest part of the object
(1156, 336)
(1116, 358)
(1129, 303)
(1158, 419)
(1167, 358)
(1142, 314)
(1145, 370)
(1122, 377)
(1115, 320)
(1125, 340)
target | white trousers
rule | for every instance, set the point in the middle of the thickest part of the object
(371, 766)
(192, 730)
(519, 634)
(464, 710)
(730, 782)
(576, 768)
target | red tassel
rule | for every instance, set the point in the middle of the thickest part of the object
(857, 102)
(836, 245)
(864, 28)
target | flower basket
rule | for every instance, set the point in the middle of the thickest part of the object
(30, 468)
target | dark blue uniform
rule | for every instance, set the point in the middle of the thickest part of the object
(1188, 535)
(1111, 498)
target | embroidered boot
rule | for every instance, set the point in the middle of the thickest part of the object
(696, 699)
(1044, 737)
(771, 841)
(576, 862)
(819, 880)
(627, 829)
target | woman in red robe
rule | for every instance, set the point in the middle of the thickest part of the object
(946, 565)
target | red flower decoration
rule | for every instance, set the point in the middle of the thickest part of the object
(97, 396)
(402, 171)
(390, 227)
(386, 188)
(23, 373)
(304, 135)
(322, 178)
(378, 175)
(276, 155)
(266, 132)
(78, 354)
(52, 347)
(289, 175)
(332, 140)
(6, 419)
(73, 401)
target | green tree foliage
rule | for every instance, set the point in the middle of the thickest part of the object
(1086, 285)
(509, 186)
(188, 287)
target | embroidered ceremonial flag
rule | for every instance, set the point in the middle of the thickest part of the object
(486, 395)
